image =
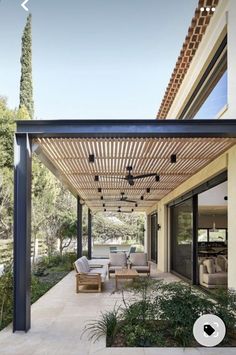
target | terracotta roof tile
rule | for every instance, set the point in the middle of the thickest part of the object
(195, 34)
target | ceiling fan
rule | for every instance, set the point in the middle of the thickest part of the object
(130, 178)
(125, 199)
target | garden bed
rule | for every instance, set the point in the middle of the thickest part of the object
(163, 315)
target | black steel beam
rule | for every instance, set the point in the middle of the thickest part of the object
(89, 234)
(22, 233)
(79, 228)
(128, 128)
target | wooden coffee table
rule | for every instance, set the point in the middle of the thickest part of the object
(125, 274)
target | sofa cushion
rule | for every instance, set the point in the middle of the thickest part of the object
(210, 265)
(141, 268)
(118, 259)
(138, 259)
(102, 271)
(218, 278)
(80, 266)
(221, 262)
(86, 263)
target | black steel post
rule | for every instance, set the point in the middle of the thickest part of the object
(195, 241)
(79, 228)
(22, 233)
(89, 234)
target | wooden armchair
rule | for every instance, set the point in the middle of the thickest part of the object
(140, 263)
(117, 261)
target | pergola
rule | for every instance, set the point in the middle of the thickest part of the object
(90, 157)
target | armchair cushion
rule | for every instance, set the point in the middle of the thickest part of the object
(210, 265)
(86, 263)
(118, 259)
(101, 271)
(221, 263)
(138, 259)
(80, 266)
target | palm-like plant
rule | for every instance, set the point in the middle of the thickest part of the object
(106, 325)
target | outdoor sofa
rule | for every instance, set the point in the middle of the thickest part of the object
(213, 272)
(87, 275)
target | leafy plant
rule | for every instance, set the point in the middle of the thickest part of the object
(142, 335)
(6, 295)
(106, 325)
(179, 306)
(225, 308)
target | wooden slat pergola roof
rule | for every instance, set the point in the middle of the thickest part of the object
(112, 155)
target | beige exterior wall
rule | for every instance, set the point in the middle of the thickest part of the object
(221, 23)
(225, 161)
(232, 218)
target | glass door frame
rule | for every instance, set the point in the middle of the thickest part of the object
(222, 177)
(194, 201)
(155, 217)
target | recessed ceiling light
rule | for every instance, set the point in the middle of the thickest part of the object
(202, 9)
(213, 9)
(96, 178)
(91, 158)
(99, 189)
(173, 158)
(207, 9)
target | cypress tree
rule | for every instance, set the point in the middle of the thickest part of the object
(26, 84)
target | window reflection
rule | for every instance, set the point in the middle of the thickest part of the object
(215, 101)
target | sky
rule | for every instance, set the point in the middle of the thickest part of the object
(94, 59)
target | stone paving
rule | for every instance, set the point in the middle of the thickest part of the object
(58, 319)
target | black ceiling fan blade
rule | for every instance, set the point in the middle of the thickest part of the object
(143, 176)
(129, 201)
(118, 178)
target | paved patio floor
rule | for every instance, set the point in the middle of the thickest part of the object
(58, 319)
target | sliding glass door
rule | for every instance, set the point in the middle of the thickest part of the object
(154, 237)
(182, 231)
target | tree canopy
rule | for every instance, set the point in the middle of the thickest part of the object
(26, 85)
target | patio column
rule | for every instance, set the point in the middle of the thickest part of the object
(22, 232)
(79, 228)
(89, 234)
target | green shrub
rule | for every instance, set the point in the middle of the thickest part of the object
(162, 314)
(225, 308)
(6, 296)
(106, 325)
(68, 259)
(142, 335)
(38, 288)
(179, 306)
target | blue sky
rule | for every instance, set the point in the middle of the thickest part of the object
(94, 58)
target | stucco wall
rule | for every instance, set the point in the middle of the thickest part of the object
(221, 23)
(225, 161)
